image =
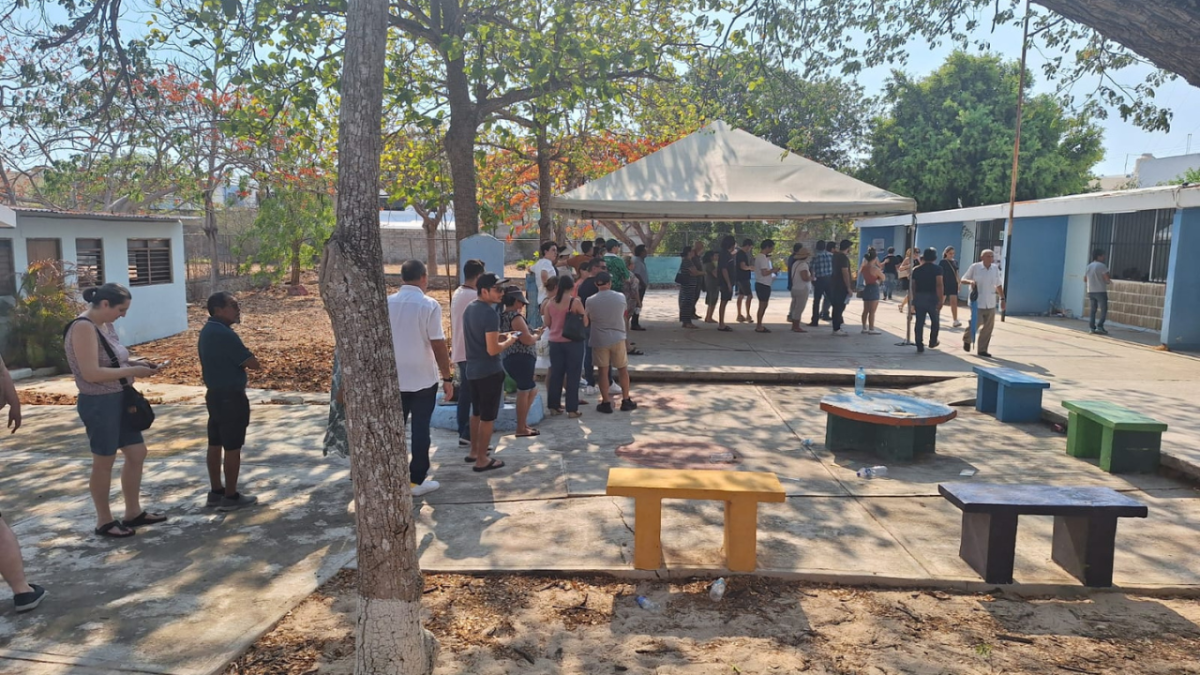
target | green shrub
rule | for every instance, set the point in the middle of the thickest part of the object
(45, 304)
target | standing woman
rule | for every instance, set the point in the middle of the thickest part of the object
(638, 269)
(904, 271)
(689, 278)
(950, 282)
(801, 280)
(872, 276)
(520, 359)
(101, 407)
(712, 286)
(566, 356)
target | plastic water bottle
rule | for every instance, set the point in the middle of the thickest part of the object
(871, 472)
(807, 443)
(717, 590)
(648, 604)
(860, 382)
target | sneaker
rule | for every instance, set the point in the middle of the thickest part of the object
(920, 349)
(604, 407)
(424, 488)
(957, 324)
(27, 602)
(934, 345)
(841, 333)
(627, 405)
(865, 331)
(214, 499)
(464, 442)
(242, 500)
(1094, 332)
(1102, 331)
(986, 355)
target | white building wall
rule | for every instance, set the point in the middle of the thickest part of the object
(1152, 171)
(1079, 241)
(155, 311)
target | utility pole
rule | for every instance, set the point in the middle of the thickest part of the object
(1012, 195)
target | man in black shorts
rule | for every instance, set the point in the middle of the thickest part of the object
(744, 269)
(481, 331)
(224, 360)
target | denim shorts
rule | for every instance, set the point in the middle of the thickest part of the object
(103, 417)
(870, 292)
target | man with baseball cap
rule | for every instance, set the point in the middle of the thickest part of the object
(606, 316)
(485, 374)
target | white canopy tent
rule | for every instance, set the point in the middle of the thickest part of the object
(719, 173)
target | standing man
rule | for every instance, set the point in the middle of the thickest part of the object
(1098, 280)
(463, 296)
(985, 280)
(616, 265)
(26, 596)
(481, 330)
(744, 270)
(606, 316)
(890, 273)
(584, 290)
(822, 272)
(643, 276)
(928, 291)
(585, 254)
(726, 277)
(764, 271)
(419, 344)
(840, 285)
(224, 361)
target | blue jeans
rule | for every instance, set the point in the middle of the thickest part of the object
(820, 290)
(889, 284)
(464, 402)
(566, 360)
(1099, 302)
(420, 405)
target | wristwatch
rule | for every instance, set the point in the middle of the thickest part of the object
(447, 379)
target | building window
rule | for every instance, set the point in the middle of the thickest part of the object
(43, 249)
(8, 271)
(1138, 244)
(89, 262)
(989, 235)
(149, 262)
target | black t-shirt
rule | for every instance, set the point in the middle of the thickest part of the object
(924, 278)
(949, 268)
(889, 264)
(728, 262)
(222, 357)
(743, 258)
(840, 262)
(587, 288)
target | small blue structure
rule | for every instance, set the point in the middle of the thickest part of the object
(483, 247)
(1011, 394)
(445, 415)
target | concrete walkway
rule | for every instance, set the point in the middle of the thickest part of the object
(187, 597)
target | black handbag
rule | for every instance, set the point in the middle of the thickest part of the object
(136, 412)
(573, 328)
(681, 278)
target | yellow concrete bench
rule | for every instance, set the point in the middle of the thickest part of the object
(740, 490)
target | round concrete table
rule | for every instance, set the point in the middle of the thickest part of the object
(894, 426)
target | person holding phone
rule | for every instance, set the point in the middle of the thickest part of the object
(88, 341)
(520, 360)
(485, 373)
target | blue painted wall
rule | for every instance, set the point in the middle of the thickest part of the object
(1035, 279)
(940, 236)
(1181, 319)
(867, 235)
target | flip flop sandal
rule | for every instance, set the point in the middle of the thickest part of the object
(725, 329)
(636, 352)
(494, 464)
(144, 518)
(762, 330)
(106, 530)
(471, 460)
(575, 415)
(534, 432)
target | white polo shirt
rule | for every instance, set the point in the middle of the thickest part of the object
(986, 280)
(416, 320)
(462, 297)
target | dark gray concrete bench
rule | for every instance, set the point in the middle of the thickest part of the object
(1085, 526)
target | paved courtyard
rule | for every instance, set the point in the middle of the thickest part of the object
(188, 596)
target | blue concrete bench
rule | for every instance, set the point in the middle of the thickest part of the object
(1085, 526)
(445, 415)
(1011, 394)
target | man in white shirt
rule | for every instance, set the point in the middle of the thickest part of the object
(1098, 279)
(988, 283)
(421, 358)
(764, 276)
(463, 296)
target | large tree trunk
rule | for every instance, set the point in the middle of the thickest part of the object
(545, 186)
(389, 637)
(1162, 31)
(460, 138)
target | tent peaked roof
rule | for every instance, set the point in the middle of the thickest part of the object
(722, 173)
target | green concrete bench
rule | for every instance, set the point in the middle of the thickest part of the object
(1125, 441)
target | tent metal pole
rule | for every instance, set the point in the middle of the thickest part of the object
(910, 241)
(1012, 195)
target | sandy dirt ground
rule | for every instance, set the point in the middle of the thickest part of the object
(593, 625)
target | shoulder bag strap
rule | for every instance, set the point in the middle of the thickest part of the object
(107, 348)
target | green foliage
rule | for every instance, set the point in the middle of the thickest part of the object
(1189, 177)
(292, 226)
(949, 137)
(45, 304)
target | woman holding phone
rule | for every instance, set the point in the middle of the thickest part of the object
(521, 358)
(88, 341)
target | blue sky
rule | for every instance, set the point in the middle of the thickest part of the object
(1123, 142)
